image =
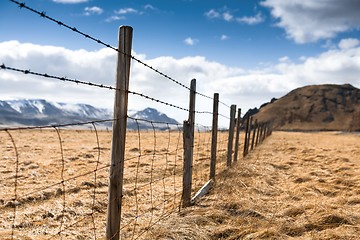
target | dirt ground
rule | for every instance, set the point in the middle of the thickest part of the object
(293, 186)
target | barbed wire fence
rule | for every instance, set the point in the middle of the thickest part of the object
(59, 190)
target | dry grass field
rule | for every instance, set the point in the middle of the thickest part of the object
(59, 179)
(294, 185)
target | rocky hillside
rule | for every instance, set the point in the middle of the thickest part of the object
(316, 107)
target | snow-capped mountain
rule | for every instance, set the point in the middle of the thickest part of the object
(43, 108)
(151, 118)
(151, 114)
(37, 112)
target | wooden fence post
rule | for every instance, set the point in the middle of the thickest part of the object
(231, 134)
(266, 130)
(246, 135)
(253, 137)
(119, 134)
(262, 132)
(238, 125)
(214, 136)
(188, 141)
(258, 134)
(249, 135)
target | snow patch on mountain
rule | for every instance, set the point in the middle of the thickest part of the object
(39, 112)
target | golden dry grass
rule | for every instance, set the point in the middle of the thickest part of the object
(62, 181)
(294, 185)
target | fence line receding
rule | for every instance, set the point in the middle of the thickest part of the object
(55, 178)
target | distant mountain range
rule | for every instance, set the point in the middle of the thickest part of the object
(39, 112)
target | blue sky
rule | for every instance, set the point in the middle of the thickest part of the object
(249, 51)
(236, 33)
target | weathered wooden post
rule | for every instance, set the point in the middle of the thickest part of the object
(238, 125)
(119, 134)
(214, 136)
(264, 132)
(249, 135)
(261, 133)
(231, 135)
(253, 137)
(258, 134)
(246, 135)
(188, 141)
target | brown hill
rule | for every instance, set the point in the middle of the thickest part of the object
(315, 107)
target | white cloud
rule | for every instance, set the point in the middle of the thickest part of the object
(329, 44)
(245, 87)
(191, 41)
(284, 59)
(220, 14)
(93, 10)
(258, 18)
(123, 11)
(349, 43)
(149, 7)
(212, 14)
(224, 37)
(227, 16)
(70, 1)
(121, 14)
(310, 21)
(114, 18)
(92, 66)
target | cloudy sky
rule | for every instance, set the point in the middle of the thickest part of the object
(248, 51)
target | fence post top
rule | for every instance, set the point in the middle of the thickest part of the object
(125, 26)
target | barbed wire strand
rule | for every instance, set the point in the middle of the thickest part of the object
(74, 29)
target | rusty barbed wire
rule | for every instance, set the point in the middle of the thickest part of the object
(74, 29)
